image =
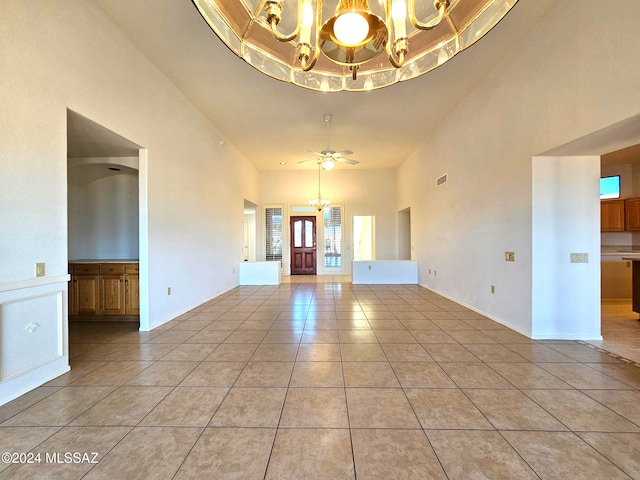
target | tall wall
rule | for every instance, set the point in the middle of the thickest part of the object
(67, 54)
(575, 73)
(362, 192)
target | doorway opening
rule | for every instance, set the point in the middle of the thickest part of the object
(250, 229)
(404, 234)
(565, 186)
(364, 237)
(106, 218)
(303, 245)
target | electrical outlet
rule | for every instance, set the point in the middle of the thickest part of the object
(369, 267)
(510, 256)
(40, 269)
(168, 290)
(493, 289)
(579, 257)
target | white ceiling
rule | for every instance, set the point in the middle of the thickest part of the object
(270, 121)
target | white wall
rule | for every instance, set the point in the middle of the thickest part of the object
(566, 206)
(362, 192)
(103, 219)
(67, 54)
(553, 87)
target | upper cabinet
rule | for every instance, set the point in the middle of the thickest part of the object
(632, 214)
(612, 216)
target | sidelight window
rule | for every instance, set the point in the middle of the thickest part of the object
(273, 233)
(332, 217)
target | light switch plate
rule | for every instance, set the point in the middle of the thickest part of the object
(40, 269)
(579, 257)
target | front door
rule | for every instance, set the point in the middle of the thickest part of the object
(303, 245)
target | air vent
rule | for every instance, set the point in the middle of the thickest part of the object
(441, 180)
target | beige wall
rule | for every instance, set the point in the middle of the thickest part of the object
(558, 84)
(69, 55)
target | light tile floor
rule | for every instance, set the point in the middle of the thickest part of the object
(620, 330)
(328, 381)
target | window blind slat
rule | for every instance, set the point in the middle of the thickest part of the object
(273, 234)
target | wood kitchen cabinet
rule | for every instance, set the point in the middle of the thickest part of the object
(86, 289)
(132, 289)
(612, 216)
(112, 287)
(105, 289)
(632, 214)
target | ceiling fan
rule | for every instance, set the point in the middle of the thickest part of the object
(328, 157)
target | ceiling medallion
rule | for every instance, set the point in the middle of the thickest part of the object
(353, 45)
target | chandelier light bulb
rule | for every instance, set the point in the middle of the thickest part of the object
(351, 29)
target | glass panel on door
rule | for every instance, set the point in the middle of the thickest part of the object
(308, 234)
(297, 234)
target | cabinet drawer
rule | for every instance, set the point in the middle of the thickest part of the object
(86, 269)
(132, 268)
(112, 269)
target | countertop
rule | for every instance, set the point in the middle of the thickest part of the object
(620, 251)
(106, 260)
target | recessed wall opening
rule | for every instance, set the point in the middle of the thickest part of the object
(404, 234)
(250, 231)
(605, 281)
(104, 224)
(364, 237)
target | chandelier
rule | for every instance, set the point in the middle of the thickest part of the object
(354, 45)
(319, 203)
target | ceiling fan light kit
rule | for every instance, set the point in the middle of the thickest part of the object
(328, 157)
(353, 45)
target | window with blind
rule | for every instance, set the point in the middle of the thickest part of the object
(332, 237)
(273, 233)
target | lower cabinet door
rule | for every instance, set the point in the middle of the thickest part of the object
(132, 303)
(112, 294)
(86, 295)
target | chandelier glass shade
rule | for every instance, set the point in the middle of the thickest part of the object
(353, 45)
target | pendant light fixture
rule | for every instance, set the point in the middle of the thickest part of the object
(319, 203)
(354, 45)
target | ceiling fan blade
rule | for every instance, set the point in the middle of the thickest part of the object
(320, 154)
(346, 160)
(343, 153)
(308, 160)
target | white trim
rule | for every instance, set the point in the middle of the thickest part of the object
(33, 282)
(143, 238)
